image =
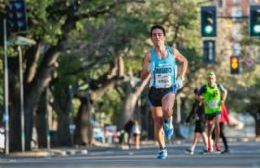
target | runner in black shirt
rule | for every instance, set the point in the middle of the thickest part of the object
(197, 112)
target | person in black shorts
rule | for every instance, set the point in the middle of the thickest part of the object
(213, 95)
(197, 112)
(160, 66)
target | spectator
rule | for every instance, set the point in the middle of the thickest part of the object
(128, 129)
(136, 130)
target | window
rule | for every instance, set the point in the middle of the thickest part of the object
(236, 1)
(220, 3)
(236, 12)
(252, 1)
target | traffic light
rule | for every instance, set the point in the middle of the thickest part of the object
(209, 52)
(208, 21)
(234, 65)
(16, 16)
(254, 21)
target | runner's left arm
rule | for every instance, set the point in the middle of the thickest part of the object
(223, 93)
(183, 61)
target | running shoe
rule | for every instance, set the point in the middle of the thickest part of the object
(203, 151)
(225, 151)
(162, 154)
(189, 151)
(168, 129)
(210, 149)
(217, 148)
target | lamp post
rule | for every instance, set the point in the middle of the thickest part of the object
(21, 41)
(21, 96)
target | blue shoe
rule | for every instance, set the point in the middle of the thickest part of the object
(162, 154)
(168, 129)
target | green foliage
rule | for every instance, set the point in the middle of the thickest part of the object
(90, 48)
(76, 105)
(93, 44)
(109, 105)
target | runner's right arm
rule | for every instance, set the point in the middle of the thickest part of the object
(199, 95)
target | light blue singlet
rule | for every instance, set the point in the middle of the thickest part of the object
(164, 70)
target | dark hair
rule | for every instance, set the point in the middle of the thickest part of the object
(195, 91)
(157, 27)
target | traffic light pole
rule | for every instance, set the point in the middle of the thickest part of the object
(6, 91)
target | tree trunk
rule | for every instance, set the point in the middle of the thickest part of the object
(129, 107)
(131, 97)
(83, 132)
(41, 120)
(63, 133)
(63, 106)
(28, 126)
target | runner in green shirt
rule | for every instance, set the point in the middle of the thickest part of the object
(213, 95)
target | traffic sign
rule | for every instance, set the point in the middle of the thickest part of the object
(209, 51)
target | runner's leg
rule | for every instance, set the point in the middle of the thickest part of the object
(167, 105)
(157, 115)
(217, 128)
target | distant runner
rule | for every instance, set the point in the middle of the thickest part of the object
(214, 96)
(198, 113)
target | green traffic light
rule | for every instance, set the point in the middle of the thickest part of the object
(254, 21)
(256, 29)
(208, 29)
(208, 21)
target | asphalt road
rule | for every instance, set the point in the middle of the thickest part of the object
(242, 155)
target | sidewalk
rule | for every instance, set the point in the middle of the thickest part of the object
(47, 153)
(69, 151)
(74, 151)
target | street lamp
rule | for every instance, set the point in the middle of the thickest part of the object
(21, 41)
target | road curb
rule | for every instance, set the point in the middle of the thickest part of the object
(48, 153)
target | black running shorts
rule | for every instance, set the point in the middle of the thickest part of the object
(155, 95)
(211, 116)
(199, 126)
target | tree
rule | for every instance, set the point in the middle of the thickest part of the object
(50, 24)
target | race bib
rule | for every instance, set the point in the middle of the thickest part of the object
(163, 80)
(213, 104)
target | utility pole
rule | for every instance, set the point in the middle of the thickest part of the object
(6, 90)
